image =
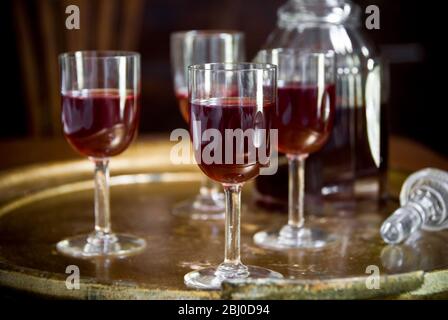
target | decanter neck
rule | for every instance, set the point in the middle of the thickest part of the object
(296, 12)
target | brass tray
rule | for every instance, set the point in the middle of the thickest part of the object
(44, 203)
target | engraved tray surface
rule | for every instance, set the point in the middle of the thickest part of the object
(41, 204)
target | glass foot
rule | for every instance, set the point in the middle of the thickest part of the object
(211, 278)
(290, 237)
(201, 208)
(117, 245)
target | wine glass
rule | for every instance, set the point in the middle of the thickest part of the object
(230, 112)
(196, 47)
(304, 119)
(100, 93)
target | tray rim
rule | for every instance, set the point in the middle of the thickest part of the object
(42, 282)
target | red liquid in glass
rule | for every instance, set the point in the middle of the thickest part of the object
(100, 123)
(182, 98)
(229, 113)
(304, 124)
(184, 106)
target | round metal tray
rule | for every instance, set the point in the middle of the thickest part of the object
(41, 204)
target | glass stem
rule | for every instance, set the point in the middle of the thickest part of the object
(102, 201)
(296, 198)
(233, 219)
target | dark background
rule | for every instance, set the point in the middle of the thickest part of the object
(411, 39)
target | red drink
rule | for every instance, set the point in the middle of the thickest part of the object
(100, 122)
(230, 113)
(182, 98)
(304, 124)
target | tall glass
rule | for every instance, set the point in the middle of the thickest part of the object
(100, 94)
(230, 109)
(197, 47)
(304, 119)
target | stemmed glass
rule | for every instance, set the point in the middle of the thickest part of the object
(100, 93)
(230, 109)
(196, 47)
(304, 119)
